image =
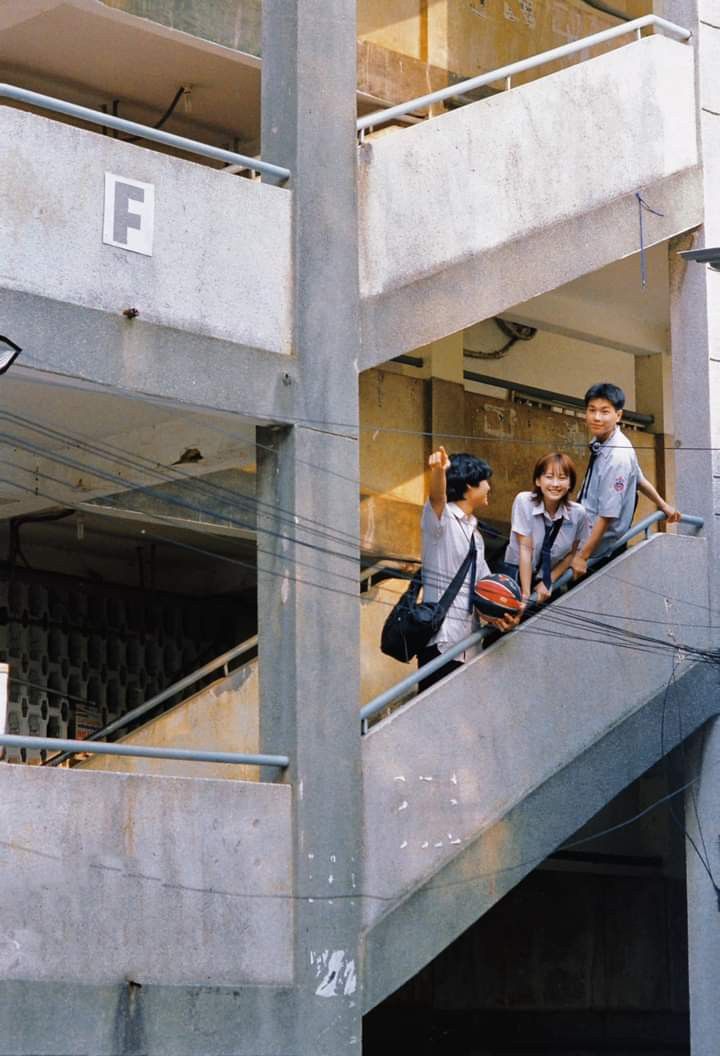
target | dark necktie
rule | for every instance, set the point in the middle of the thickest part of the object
(594, 446)
(551, 532)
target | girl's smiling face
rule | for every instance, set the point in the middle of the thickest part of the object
(554, 483)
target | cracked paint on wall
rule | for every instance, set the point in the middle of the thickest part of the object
(337, 976)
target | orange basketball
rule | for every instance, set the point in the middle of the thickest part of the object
(498, 595)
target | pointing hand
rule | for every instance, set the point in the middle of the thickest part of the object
(439, 460)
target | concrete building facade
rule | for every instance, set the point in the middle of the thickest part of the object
(216, 433)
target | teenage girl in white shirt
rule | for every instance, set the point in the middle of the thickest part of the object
(547, 527)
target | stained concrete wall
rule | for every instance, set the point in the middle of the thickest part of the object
(116, 877)
(458, 758)
(221, 256)
(223, 717)
(555, 163)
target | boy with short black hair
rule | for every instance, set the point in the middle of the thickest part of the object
(613, 477)
(458, 485)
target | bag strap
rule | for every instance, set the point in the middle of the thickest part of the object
(458, 579)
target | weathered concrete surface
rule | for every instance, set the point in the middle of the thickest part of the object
(232, 23)
(110, 351)
(465, 215)
(225, 715)
(222, 717)
(71, 1019)
(444, 774)
(221, 256)
(116, 877)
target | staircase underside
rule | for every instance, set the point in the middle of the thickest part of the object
(401, 942)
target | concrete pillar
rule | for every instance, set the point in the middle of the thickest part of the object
(702, 819)
(308, 600)
(695, 343)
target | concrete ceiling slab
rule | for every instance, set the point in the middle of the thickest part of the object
(609, 307)
(112, 55)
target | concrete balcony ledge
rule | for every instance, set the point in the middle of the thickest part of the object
(159, 880)
(220, 263)
(463, 215)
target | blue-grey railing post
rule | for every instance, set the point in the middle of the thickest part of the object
(154, 135)
(504, 73)
(143, 751)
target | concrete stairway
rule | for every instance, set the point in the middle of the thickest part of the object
(469, 786)
(482, 208)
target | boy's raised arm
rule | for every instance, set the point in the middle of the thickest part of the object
(439, 463)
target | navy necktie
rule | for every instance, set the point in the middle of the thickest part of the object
(594, 446)
(551, 532)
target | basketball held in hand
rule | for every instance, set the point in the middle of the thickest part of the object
(498, 595)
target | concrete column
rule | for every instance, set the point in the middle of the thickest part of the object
(695, 304)
(308, 600)
(702, 814)
(695, 341)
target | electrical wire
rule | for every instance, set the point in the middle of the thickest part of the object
(615, 636)
(167, 114)
(601, 632)
(143, 465)
(637, 642)
(703, 856)
(352, 430)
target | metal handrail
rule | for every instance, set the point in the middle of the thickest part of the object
(156, 135)
(221, 661)
(505, 73)
(379, 703)
(74, 747)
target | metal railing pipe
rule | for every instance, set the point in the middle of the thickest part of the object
(389, 696)
(104, 748)
(379, 117)
(177, 687)
(155, 135)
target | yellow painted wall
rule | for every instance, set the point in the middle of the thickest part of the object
(468, 37)
(510, 436)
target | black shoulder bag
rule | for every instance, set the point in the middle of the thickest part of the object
(412, 623)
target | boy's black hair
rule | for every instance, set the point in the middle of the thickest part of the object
(605, 390)
(465, 471)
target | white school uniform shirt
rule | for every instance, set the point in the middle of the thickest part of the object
(445, 544)
(611, 490)
(530, 518)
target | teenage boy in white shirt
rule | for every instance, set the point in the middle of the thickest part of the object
(613, 477)
(459, 484)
